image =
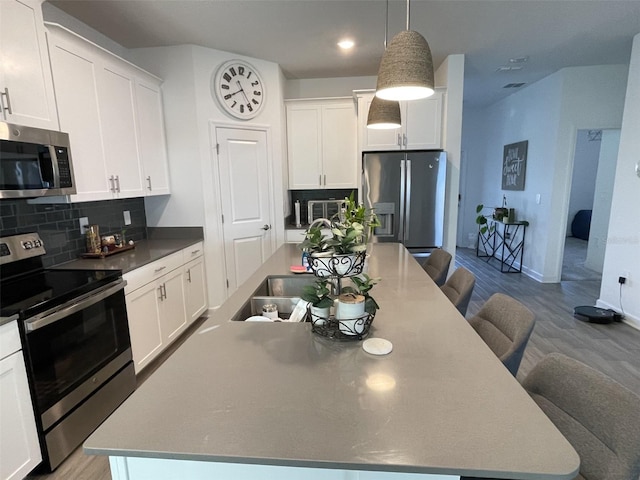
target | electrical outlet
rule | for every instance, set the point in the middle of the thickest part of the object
(84, 221)
(127, 217)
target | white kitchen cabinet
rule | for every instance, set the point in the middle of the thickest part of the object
(195, 284)
(116, 98)
(19, 447)
(322, 144)
(421, 125)
(26, 85)
(76, 72)
(151, 138)
(163, 298)
(112, 111)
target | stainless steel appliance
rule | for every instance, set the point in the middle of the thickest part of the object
(323, 209)
(34, 162)
(407, 192)
(76, 342)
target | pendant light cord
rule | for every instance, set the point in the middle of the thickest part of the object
(386, 25)
(408, 14)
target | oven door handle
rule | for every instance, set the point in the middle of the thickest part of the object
(47, 318)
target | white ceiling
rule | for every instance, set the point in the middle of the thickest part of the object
(301, 35)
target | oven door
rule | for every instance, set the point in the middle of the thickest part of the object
(74, 350)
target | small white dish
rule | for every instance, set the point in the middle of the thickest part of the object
(377, 346)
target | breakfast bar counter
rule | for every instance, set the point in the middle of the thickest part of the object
(255, 400)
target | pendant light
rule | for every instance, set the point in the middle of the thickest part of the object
(384, 114)
(406, 69)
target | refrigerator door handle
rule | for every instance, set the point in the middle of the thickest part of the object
(407, 209)
(403, 182)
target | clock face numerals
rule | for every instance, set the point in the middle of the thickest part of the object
(239, 89)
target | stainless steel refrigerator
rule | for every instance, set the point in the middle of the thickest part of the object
(407, 192)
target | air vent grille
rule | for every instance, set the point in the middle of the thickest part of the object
(514, 85)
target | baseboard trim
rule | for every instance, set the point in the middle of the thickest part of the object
(628, 319)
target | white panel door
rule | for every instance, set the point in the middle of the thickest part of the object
(245, 196)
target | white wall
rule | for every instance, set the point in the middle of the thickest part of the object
(451, 75)
(191, 115)
(605, 181)
(327, 87)
(548, 114)
(583, 180)
(623, 243)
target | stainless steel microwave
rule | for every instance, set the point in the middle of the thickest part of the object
(34, 162)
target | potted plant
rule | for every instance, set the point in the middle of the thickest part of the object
(318, 295)
(357, 213)
(355, 306)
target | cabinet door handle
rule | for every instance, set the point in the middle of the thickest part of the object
(157, 270)
(404, 139)
(5, 94)
(112, 184)
(149, 182)
(320, 180)
(194, 252)
(161, 297)
(118, 183)
(399, 140)
(325, 180)
(189, 275)
(164, 290)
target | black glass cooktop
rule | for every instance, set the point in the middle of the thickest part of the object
(36, 292)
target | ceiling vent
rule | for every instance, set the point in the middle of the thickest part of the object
(509, 68)
(514, 85)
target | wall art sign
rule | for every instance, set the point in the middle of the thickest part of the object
(514, 165)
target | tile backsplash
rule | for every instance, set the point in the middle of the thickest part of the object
(58, 224)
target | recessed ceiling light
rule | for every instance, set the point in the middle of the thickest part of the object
(519, 59)
(346, 44)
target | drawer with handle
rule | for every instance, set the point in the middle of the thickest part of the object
(150, 272)
(194, 251)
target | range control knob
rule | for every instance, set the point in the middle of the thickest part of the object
(27, 245)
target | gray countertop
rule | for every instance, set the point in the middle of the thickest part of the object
(146, 251)
(277, 394)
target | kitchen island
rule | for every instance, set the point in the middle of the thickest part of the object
(253, 400)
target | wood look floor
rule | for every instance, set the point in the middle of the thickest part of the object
(613, 349)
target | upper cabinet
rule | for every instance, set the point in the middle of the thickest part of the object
(26, 87)
(322, 143)
(421, 125)
(112, 111)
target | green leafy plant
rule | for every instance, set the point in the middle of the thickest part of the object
(481, 220)
(318, 294)
(347, 238)
(314, 241)
(357, 213)
(362, 286)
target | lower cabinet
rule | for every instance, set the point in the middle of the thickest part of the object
(163, 298)
(19, 447)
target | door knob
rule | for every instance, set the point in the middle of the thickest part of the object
(266, 227)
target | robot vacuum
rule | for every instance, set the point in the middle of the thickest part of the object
(594, 314)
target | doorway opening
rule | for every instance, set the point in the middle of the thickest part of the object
(594, 166)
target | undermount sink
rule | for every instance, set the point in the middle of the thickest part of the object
(282, 290)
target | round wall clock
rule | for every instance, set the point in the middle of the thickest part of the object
(238, 88)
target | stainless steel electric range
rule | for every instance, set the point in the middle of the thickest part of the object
(75, 336)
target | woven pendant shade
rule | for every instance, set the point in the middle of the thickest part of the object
(383, 114)
(406, 69)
